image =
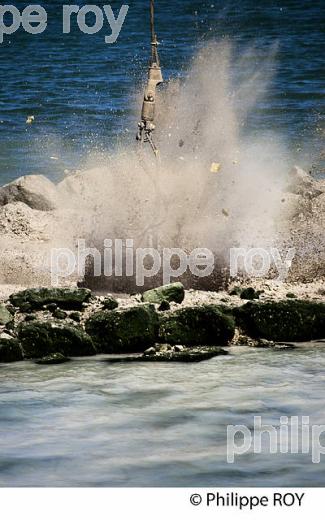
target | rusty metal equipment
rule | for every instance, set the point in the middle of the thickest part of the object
(155, 78)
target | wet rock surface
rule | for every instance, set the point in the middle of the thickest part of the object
(121, 331)
(53, 359)
(290, 320)
(173, 354)
(10, 350)
(42, 339)
(202, 325)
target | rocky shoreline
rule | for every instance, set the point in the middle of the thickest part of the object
(168, 324)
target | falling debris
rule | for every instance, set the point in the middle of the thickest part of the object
(225, 213)
(30, 120)
(215, 167)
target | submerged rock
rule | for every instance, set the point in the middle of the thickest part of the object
(173, 292)
(191, 326)
(124, 331)
(40, 339)
(10, 350)
(290, 320)
(173, 355)
(65, 298)
(5, 315)
(53, 359)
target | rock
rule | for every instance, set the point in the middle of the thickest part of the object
(291, 296)
(59, 315)
(173, 292)
(110, 303)
(191, 326)
(5, 315)
(193, 355)
(51, 307)
(40, 339)
(250, 294)
(124, 331)
(66, 298)
(36, 191)
(236, 291)
(75, 316)
(290, 320)
(164, 306)
(53, 359)
(26, 307)
(30, 317)
(10, 350)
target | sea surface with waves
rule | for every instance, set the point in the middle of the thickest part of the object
(88, 423)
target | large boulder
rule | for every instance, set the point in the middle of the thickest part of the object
(65, 298)
(124, 331)
(10, 350)
(192, 326)
(36, 191)
(40, 339)
(5, 316)
(283, 321)
(173, 292)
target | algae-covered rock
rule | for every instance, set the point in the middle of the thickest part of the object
(10, 350)
(171, 355)
(40, 339)
(124, 331)
(65, 298)
(5, 315)
(290, 320)
(53, 359)
(191, 326)
(173, 292)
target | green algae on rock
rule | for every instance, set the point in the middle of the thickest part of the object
(124, 331)
(40, 339)
(53, 359)
(170, 355)
(192, 326)
(290, 320)
(173, 292)
(65, 298)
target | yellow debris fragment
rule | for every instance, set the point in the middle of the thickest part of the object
(215, 167)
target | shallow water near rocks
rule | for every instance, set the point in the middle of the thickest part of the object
(88, 423)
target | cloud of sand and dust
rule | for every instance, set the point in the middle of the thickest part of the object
(182, 200)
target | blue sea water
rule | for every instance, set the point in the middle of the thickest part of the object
(82, 91)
